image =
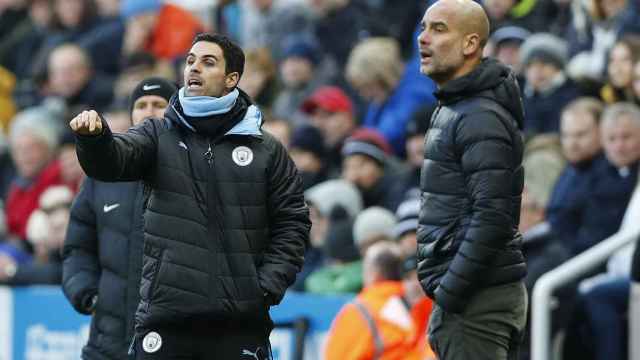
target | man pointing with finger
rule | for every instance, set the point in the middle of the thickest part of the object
(225, 222)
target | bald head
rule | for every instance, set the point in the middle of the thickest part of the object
(454, 33)
(467, 16)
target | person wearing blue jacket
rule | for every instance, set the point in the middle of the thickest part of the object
(103, 247)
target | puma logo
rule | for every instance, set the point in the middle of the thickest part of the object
(253, 354)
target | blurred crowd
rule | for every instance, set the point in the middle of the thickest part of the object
(339, 84)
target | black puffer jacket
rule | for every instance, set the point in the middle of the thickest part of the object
(471, 182)
(103, 256)
(226, 222)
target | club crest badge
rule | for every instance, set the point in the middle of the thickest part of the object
(152, 342)
(242, 156)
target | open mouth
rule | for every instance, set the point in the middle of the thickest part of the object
(194, 84)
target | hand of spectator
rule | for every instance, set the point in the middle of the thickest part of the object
(8, 267)
(87, 123)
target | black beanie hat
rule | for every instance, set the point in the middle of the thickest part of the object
(308, 138)
(152, 86)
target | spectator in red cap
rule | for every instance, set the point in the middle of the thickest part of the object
(367, 156)
(331, 111)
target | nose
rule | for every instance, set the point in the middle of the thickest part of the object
(195, 67)
(423, 38)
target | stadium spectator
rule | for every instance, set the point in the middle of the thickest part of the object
(604, 300)
(259, 80)
(547, 89)
(151, 27)
(12, 13)
(394, 19)
(534, 16)
(71, 76)
(333, 205)
(135, 68)
(331, 110)
(21, 44)
(102, 252)
(77, 21)
(45, 231)
(406, 229)
(378, 324)
(580, 137)
(308, 153)
(33, 142)
(365, 164)
(343, 270)
(338, 26)
(594, 28)
(267, 23)
(504, 45)
(280, 129)
(541, 247)
(407, 184)
(611, 184)
(302, 70)
(392, 91)
(249, 213)
(624, 54)
(606, 297)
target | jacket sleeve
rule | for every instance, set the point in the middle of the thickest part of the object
(289, 226)
(119, 157)
(80, 266)
(37, 274)
(486, 152)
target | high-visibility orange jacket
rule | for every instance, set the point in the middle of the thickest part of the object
(173, 33)
(379, 325)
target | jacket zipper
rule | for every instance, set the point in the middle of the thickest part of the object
(208, 155)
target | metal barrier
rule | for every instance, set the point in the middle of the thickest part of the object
(563, 274)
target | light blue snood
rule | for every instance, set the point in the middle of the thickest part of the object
(205, 106)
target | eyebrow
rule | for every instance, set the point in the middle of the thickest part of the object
(204, 56)
(438, 23)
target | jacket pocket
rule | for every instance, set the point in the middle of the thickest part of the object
(444, 244)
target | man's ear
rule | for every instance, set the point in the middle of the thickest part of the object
(231, 80)
(471, 44)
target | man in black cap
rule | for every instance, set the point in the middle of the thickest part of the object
(103, 248)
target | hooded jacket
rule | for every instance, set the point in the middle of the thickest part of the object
(471, 183)
(225, 225)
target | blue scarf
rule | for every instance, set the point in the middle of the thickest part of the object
(206, 106)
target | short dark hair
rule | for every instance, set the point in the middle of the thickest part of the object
(385, 258)
(233, 54)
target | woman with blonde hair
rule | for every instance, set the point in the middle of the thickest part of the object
(393, 91)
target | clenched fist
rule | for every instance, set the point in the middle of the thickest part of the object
(87, 123)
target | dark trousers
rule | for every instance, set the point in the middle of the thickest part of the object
(489, 328)
(606, 307)
(204, 342)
